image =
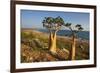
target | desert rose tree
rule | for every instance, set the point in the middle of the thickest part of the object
(53, 25)
(74, 31)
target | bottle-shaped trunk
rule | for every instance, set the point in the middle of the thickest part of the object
(73, 47)
(52, 43)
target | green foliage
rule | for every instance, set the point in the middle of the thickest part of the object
(68, 24)
(59, 20)
(79, 27)
(53, 23)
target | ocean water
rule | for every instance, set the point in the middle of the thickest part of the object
(81, 34)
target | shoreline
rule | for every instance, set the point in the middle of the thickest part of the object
(59, 36)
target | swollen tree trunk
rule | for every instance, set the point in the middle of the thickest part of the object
(52, 42)
(50, 37)
(73, 47)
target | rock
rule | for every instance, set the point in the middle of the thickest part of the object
(62, 54)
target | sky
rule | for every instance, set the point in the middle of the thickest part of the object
(34, 18)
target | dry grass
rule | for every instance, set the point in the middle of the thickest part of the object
(34, 47)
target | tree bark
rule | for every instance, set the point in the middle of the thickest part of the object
(73, 47)
(52, 42)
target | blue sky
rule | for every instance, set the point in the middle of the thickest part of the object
(33, 18)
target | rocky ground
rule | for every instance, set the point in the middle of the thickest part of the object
(34, 48)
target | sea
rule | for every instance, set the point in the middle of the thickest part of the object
(81, 34)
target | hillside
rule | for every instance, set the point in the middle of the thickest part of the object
(34, 47)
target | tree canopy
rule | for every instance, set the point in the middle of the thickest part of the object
(53, 23)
